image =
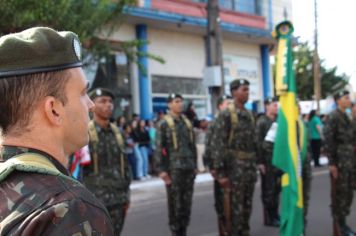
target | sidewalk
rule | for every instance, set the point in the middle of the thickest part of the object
(157, 182)
(203, 177)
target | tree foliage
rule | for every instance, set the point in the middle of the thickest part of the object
(87, 18)
(303, 65)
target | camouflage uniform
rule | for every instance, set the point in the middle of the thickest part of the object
(306, 177)
(180, 164)
(237, 161)
(39, 204)
(218, 190)
(109, 185)
(354, 135)
(271, 180)
(339, 148)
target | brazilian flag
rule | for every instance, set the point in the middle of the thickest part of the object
(289, 146)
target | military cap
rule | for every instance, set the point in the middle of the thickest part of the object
(38, 49)
(173, 96)
(340, 94)
(270, 100)
(235, 84)
(98, 92)
(223, 98)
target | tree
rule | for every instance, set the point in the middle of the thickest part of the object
(303, 65)
(87, 18)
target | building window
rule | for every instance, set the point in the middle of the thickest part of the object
(253, 7)
(192, 89)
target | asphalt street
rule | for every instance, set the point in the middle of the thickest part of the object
(148, 212)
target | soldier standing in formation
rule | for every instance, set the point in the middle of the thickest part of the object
(176, 158)
(44, 118)
(108, 176)
(270, 175)
(235, 156)
(222, 104)
(339, 141)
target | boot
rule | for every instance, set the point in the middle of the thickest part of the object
(221, 227)
(183, 232)
(347, 231)
(271, 218)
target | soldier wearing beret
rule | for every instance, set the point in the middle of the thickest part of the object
(339, 149)
(234, 158)
(44, 118)
(222, 104)
(108, 175)
(176, 157)
(270, 175)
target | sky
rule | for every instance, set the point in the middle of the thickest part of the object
(336, 30)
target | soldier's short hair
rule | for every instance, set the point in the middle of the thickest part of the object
(270, 100)
(173, 96)
(235, 84)
(340, 94)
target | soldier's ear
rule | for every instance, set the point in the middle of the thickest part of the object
(53, 110)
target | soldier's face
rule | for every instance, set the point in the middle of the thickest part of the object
(176, 105)
(344, 102)
(76, 119)
(272, 108)
(104, 107)
(242, 93)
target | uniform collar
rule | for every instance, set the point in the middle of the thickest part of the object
(10, 151)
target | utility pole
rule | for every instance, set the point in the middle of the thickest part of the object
(214, 48)
(316, 61)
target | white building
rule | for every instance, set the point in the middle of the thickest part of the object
(176, 32)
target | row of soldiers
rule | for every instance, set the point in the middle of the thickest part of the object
(235, 148)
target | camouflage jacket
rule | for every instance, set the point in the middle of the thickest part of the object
(39, 204)
(111, 183)
(264, 148)
(209, 146)
(169, 158)
(243, 139)
(339, 139)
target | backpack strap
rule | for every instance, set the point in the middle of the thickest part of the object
(170, 122)
(233, 119)
(189, 126)
(120, 142)
(94, 139)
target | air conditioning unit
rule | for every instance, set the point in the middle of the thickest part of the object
(212, 76)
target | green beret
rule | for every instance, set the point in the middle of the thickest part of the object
(235, 84)
(173, 96)
(37, 50)
(340, 94)
(270, 100)
(98, 92)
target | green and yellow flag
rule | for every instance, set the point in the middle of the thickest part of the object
(289, 139)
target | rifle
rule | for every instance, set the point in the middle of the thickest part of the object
(336, 225)
(227, 211)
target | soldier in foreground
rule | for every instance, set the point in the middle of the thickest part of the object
(176, 158)
(108, 175)
(44, 118)
(235, 157)
(222, 104)
(270, 175)
(339, 147)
